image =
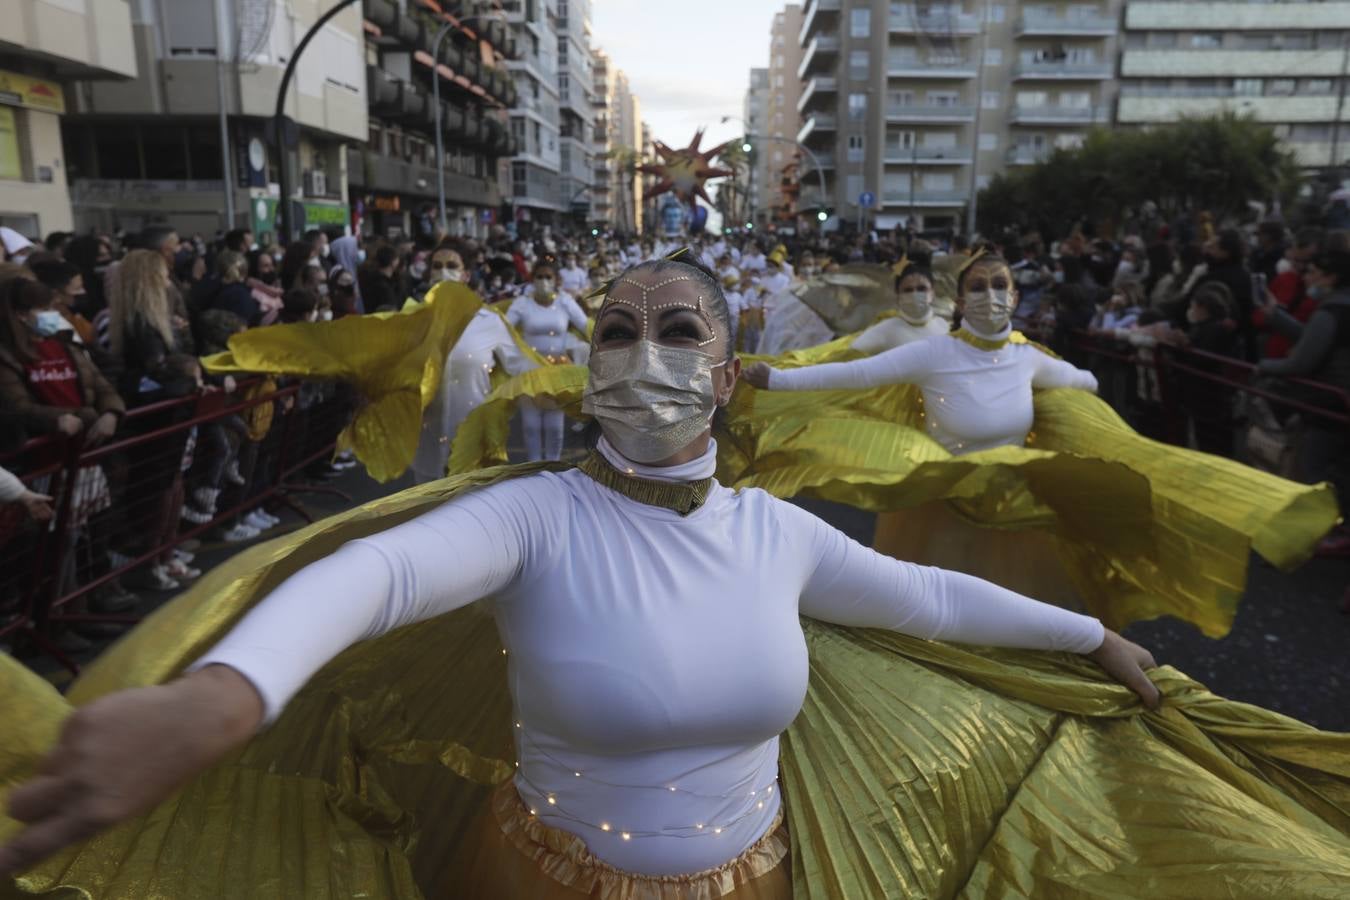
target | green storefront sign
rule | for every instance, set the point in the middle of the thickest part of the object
(263, 215)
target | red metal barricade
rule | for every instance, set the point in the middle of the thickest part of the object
(176, 470)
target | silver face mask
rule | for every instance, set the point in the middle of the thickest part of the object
(988, 312)
(916, 307)
(651, 401)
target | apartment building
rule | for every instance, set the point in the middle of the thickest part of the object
(917, 105)
(393, 180)
(1282, 63)
(149, 149)
(754, 112)
(45, 49)
(775, 148)
(551, 173)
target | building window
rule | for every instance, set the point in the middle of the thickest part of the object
(538, 145)
(993, 56)
(1162, 40)
(988, 141)
(997, 12)
(1075, 100)
(1316, 87)
(857, 106)
(1032, 99)
(856, 147)
(1206, 41)
(1280, 87)
(1248, 87)
(901, 98)
(859, 65)
(989, 100)
(942, 98)
(939, 140)
(860, 22)
(939, 181)
(898, 142)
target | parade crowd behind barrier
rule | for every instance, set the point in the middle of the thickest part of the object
(125, 453)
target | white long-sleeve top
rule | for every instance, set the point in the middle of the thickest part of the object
(11, 488)
(896, 332)
(974, 399)
(647, 651)
(545, 327)
(575, 280)
(465, 381)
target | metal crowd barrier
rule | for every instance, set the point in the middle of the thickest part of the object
(118, 506)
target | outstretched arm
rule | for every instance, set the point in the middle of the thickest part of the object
(124, 753)
(852, 585)
(898, 366)
(1056, 373)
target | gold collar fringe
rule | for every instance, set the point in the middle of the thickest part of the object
(677, 496)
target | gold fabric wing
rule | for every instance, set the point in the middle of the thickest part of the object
(914, 768)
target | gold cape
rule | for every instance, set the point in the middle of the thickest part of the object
(915, 768)
(1142, 528)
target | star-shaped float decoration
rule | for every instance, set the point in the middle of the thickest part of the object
(685, 171)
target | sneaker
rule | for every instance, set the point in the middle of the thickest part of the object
(257, 521)
(161, 580)
(181, 571)
(182, 555)
(239, 532)
(232, 473)
(272, 520)
(112, 598)
(195, 516)
(118, 560)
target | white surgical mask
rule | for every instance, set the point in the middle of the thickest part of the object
(988, 311)
(916, 307)
(651, 401)
(48, 322)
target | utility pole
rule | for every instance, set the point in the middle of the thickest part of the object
(223, 69)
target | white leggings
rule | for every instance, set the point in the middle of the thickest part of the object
(543, 431)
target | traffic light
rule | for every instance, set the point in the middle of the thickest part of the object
(747, 147)
(595, 232)
(749, 226)
(822, 215)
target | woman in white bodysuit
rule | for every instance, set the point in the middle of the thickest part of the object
(651, 621)
(542, 317)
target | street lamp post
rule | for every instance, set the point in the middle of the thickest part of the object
(279, 117)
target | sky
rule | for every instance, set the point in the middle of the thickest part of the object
(688, 61)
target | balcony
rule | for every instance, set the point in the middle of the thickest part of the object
(1193, 63)
(452, 121)
(928, 156)
(818, 86)
(912, 112)
(898, 66)
(817, 123)
(1240, 16)
(820, 49)
(376, 173)
(1041, 24)
(381, 90)
(952, 198)
(1060, 115)
(910, 21)
(1172, 106)
(826, 159)
(1027, 156)
(815, 12)
(405, 29)
(1318, 153)
(1062, 71)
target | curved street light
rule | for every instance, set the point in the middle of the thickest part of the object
(775, 139)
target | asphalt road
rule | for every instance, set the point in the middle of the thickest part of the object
(1289, 649)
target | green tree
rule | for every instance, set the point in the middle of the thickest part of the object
(1218, 164)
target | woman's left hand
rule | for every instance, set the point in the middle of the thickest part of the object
(758, 375)
(1125, 661)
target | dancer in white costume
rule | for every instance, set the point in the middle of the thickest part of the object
(543, 317)
(914, 288)
(467, 379)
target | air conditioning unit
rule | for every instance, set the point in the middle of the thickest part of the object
(316, 183)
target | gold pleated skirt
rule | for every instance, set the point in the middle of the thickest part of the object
(936, 534)
(511, 855)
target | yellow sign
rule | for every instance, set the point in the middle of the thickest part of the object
(11, 164)
(34, 93)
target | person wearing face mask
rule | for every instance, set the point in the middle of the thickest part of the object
(655, 651)
(914, 293)
(342, 294)
(68, 291)
(574, 279)
(543, 318)
(378, 280)
(348, 253)
(445, 265)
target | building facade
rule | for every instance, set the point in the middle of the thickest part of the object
(755, 112)
(46, 50)
(550, 176)
(917, 105)
(149, 150)
(616, 188)
(775, 149)
(1281, 63)
(392, 177)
